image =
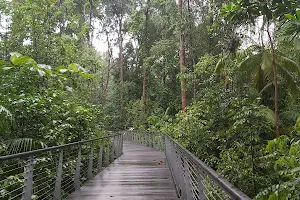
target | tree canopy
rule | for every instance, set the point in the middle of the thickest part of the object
(221, 77)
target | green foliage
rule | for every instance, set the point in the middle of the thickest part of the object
(230, 93)
(284, 151)
(42, 106)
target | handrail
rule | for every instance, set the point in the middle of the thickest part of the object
(231, 190)
(192, 177)
(55, 172)
(28, 153)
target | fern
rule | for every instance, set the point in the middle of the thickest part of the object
(22, 145)
(6, 112)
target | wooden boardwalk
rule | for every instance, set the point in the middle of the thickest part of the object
(141, 173)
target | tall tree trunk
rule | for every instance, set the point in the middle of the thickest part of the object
(275, 83)
(90, 34)
(109, 52)
(147, 48)
(182, 57)
(121, 65)
(191, 48)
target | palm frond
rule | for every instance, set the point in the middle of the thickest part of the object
(268, 114)
(266, 87)
(289, 116)
(288, 64)
(6, 112)
(22, 145)
(266, 64)
(283, 72)
(259, 79)
(221, 64)
(297, 43)
(251, 63)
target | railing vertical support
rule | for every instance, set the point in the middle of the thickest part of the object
(112, 150)
(201, 187)
(100, 158)
(122, 143)
(153, 142)
(187, 175)
(119, 145)
(180, 171)
(77, 172)
(57, 190)
(90, 167)
(175, 165)
(28, 179)
(107, 155)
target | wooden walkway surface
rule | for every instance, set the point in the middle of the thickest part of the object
(141, 173)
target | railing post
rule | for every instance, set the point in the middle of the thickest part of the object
(90, 167)
(100, 158)
(201, 187)
(77, 172)
(180, 173)
(113, 150)
(148, 141)
(187, 175)
(107, 155)
(175, 165)
(122, 142)
(28, 179)
(152, 141)
(57, 190)
(119, 145)
(159, 144)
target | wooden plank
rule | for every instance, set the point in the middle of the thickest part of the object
(140, 173)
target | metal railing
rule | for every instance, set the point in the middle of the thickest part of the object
(193, 179)
(55, 172)
(149, 139)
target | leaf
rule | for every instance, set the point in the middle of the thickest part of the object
(63, 71)
(297, 43)
(284, 73)
(251, 62)
(220, 65)
(69, 89)
(18, 60)
(298, 14)
(7, 112)
(290, 115)
(289, 64)
(268, 114)
(73, 67)
(59, 68)
(6, 68)
(290, 16)
(41, 72)
(43, 66)
(86, 75)
(266, 63)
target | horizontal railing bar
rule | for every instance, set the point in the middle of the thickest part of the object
(231, 190)
(30, 153)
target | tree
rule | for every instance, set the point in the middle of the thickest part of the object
(240, 11)
(182, 56)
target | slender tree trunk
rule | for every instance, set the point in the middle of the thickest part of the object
(182, 57)
(144, 98)
(90, 39)
(109, 51)
(121, 65)
(191, 47)
(275, 84)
